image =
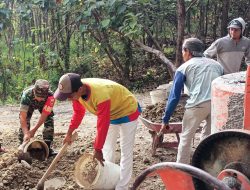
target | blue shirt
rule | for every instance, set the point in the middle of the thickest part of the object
(197, 74)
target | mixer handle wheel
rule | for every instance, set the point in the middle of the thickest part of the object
(177, 176)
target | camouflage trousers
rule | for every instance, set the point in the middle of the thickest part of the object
(48, 130)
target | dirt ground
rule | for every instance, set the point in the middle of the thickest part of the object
(14, 175)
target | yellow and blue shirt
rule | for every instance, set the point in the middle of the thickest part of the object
(111, 102)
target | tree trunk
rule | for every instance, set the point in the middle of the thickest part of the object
(45, 25)
(188, 24)
(215, 23)
(202, 19)
(67, 44)
(82, 48)
(180, 31)
(53, 36)
(206, 16)
(224, 17)
(36, 24)
(40, 24)
(129, 62)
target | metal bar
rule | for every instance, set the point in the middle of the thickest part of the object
(190, 170)
(247, 101)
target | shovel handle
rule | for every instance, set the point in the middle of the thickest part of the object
(40, 185)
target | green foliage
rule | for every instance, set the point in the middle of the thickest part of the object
(34, 34)
(82, 65)
(169, 51)
(5, 15)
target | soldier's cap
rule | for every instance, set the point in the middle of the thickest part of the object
(68, 84)
(41, 88)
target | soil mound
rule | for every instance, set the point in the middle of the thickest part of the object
(155, 112)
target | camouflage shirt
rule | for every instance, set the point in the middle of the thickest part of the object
(28, 102)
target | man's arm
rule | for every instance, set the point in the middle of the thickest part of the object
(78, 114)
(103, 122)
(47, 109)
(174, 96)
(247, 56)
(23, 123)
(212, 51)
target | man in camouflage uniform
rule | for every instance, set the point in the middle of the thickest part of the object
(38, 97)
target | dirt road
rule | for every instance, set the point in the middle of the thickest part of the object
(14, 175)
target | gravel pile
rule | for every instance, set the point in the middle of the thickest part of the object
(155, 112)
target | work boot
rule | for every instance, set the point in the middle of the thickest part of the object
(51, 151)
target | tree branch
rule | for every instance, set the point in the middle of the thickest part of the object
(191, 4)
(159, 54)
(151, 36)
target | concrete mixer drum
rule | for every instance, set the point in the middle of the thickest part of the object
(227, 150)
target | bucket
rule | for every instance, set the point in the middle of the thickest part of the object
(158, 96)
(90, 174)
(37, 149)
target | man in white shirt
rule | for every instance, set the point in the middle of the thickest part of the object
(197, 73)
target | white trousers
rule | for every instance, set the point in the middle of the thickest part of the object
(191, 121)
(127, 138)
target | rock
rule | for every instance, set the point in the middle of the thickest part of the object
(25, 164)
(5, 182)
(146, 161)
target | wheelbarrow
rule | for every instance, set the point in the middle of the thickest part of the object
(157, 139)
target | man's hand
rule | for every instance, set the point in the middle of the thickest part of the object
(68, 138)
(164, 128)
(99, 156)
(27, 136)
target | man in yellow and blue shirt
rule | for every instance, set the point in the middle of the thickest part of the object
(117, 111)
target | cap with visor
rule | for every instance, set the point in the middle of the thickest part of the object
(68, 84)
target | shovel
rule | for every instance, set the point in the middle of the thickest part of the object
(40, 185)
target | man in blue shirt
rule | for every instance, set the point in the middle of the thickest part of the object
(197, 73)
